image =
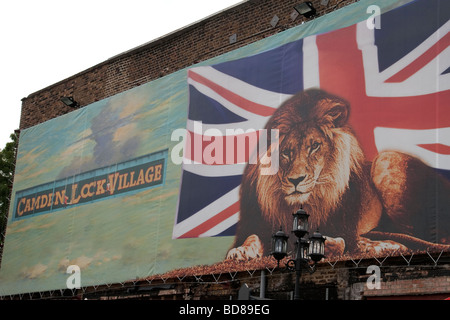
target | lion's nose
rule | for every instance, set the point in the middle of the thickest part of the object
(296, 181)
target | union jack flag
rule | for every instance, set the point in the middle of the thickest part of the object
(396, 79)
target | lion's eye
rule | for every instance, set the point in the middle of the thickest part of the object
(286, 153)
(315, 146)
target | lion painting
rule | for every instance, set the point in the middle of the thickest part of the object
(393, 203)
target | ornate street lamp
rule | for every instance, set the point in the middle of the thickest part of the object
(306, 250)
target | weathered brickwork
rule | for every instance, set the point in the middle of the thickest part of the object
(416, 276)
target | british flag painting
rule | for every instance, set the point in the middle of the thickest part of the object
(237, 96)
(396, 78)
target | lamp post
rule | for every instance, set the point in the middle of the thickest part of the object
(306, 250)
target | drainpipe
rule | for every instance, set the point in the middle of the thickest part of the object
(262, 287)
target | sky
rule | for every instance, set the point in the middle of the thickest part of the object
(46, 41)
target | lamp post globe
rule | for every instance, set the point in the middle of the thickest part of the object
(279, 245)
(316, 246)
(300, 224)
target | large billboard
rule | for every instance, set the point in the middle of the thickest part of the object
(345, 116)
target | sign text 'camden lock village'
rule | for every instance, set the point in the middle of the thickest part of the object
(134, 175)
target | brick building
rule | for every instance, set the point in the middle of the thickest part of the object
(418, 275)
(249, 22)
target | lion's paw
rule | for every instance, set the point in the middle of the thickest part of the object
(379, 247)
(334, 247)
(251, 248)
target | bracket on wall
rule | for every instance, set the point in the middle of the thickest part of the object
(233, 38)
(274, 21)
(70, 102)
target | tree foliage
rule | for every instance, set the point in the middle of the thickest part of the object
(7, 163)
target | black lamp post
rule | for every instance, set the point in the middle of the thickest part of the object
(305, 249)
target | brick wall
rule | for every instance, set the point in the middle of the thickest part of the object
(416, 276)
(250, 21)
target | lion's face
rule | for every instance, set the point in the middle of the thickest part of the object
(302, 160)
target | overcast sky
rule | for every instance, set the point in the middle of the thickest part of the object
(45, 41)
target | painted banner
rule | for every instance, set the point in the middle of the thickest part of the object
(346, 116)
